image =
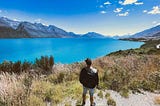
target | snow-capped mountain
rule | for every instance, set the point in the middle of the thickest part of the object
(93, 35)
(147, 33)
(17, 29)
(40, 30)
(9, 28)
(5, 22)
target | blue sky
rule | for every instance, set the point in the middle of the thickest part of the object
(108, 17)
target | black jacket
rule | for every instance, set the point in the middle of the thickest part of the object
(89, 77)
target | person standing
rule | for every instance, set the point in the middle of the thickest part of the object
(89, 79)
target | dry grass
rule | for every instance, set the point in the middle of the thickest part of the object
(34, 90)
(157, 100)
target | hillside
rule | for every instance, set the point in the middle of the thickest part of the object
(149, 48)
(148, 33)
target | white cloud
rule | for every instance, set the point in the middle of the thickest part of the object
(107, 3)
(154, 22)
(101, 6)
(0, 11)
(126, 2)
(103, 12)
(123, 14)
(15, 19)
(120, 2)
(139, 3)
(157, 24)
(144, 11)
(155, 10)
(38, 20)
(117, 10)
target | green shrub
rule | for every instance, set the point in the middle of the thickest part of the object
(79, 102)
(61, 77)
(155, 78)
(124, 92)
(135, 86)
(148, 86)
(111, 102)
(100, 94)
(46, 63)
(107, 95)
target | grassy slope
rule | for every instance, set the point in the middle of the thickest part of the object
(149, 48)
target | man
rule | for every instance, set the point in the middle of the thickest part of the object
(89, 80)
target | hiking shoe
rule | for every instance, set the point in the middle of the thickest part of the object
(94, 104)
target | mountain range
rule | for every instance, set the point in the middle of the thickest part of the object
(23, 29)
(16, 29)
(151, 33)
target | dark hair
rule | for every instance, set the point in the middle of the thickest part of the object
(88, 61)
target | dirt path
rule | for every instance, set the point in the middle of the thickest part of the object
(145, 99)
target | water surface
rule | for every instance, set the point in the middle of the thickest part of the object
(66, 50)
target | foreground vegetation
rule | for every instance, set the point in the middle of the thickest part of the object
(28, 84)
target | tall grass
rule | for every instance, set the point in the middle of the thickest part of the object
(36, 86)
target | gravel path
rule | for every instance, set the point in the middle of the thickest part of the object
(145, 99)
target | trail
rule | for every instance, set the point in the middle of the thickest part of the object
(145, 99)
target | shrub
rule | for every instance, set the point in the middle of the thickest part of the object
(124, 92)
(135, 86)
(148, 86)
(100, 94)
(16, 68)
(107, 95)
(155, 78)
(111, 102)
(26, 66)
(79, 102)
(46, 63)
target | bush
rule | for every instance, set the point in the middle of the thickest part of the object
(124, 92)
(111, 102)
(100, 94)
(155, 78)
(107, 95)
(148, 86)
(46, 63)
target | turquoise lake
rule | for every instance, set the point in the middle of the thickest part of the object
(64, 50)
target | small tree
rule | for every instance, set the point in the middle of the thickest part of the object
(51, 61)
(16, 68)
(45, 63)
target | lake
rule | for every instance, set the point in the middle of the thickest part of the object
(64, 50)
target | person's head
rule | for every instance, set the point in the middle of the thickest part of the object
(88, 62)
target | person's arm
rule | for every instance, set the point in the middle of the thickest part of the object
(97, 79)
(81, 76)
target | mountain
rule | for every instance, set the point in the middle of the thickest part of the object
(38, 30)
(121, 37)
(147, 33)
(93, 35)
(157, 35)
(5, 22)
(17, 29)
